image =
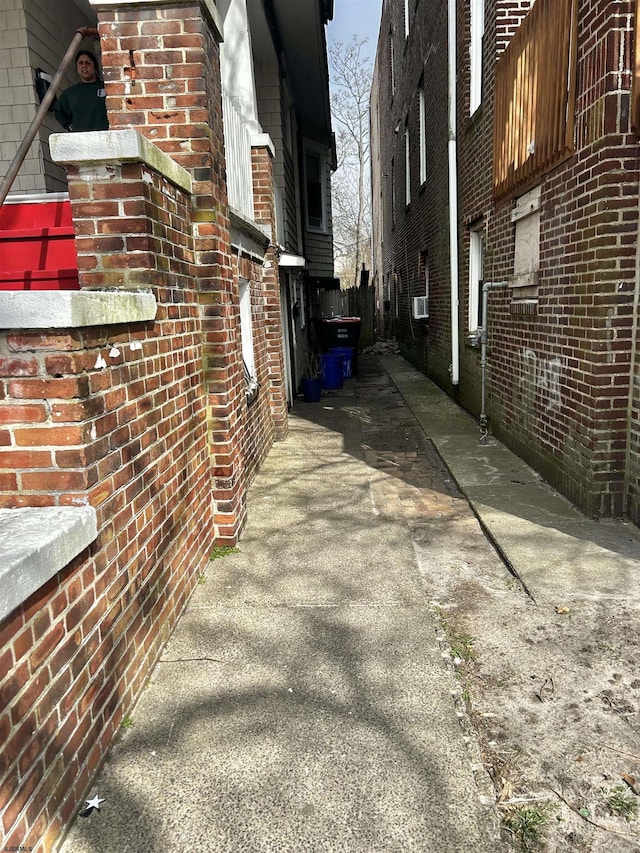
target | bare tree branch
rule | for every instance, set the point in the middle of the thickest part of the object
(351, 83)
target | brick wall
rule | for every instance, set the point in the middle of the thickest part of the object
(633, 447)
(129, 438)
(558, 377)
(175, 100)
(147, 422)
(421, 228)
(269, 325)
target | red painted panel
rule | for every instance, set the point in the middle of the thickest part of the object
(37, 249)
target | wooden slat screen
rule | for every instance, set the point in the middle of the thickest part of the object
(535, 95)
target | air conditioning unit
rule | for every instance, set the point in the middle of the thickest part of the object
(420, 307)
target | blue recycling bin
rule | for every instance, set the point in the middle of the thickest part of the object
(331, 366)
(347, 360)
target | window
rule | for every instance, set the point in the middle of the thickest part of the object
(475, 55)
(475, 278)
(423, 135)
(393, 192)
(406, 19)
(246, 333)
(407, 165)
(315, 181)
(526, 261)
(423, 270)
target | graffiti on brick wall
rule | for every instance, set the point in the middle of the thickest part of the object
(540, 377)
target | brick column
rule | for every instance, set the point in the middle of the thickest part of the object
(265, 214)
(161, 67)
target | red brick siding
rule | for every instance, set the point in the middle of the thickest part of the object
(131, 440)
(423, 225)
(160, 441)
(270, 324)
(176, 102)
(558, 379)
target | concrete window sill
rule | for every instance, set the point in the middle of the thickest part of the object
(73, 309)
(35, 544)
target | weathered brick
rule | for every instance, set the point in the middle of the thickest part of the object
(15, 413)
(132, 439)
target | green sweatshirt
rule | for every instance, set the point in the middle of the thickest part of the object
(82, 107)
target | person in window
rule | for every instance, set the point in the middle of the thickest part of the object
(82, 107)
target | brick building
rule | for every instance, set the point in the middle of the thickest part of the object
(527, 194)
(154, 290)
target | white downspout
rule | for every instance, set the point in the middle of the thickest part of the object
(453, 199)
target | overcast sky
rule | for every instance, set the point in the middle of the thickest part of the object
(355, 17)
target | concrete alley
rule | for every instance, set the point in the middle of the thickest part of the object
(304, 702)
(366, 673)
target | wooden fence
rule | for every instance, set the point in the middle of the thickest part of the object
(352, 302)
(535, 95)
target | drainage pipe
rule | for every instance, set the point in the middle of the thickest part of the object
(34, 127)
(486, 287)
(453, 197)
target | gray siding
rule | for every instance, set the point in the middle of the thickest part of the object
(318, 245)
(33, 34)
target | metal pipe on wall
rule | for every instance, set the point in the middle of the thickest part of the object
(486, 287)
(453, 197)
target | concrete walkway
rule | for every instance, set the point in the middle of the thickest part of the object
(304, 703)
(558, 553)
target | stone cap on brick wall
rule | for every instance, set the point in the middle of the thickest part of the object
(116, 146)
(35, 544)
(73, 309)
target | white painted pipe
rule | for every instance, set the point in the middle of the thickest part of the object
(453, 199)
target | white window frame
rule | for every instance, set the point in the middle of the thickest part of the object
(407, 165)
(424, 260)
(319, 152)
(246, 335)
(476, 259)
(475, 54)
(422, 117)
(406, 19)
(393, 193)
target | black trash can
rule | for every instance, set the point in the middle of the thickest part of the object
(339, 332)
